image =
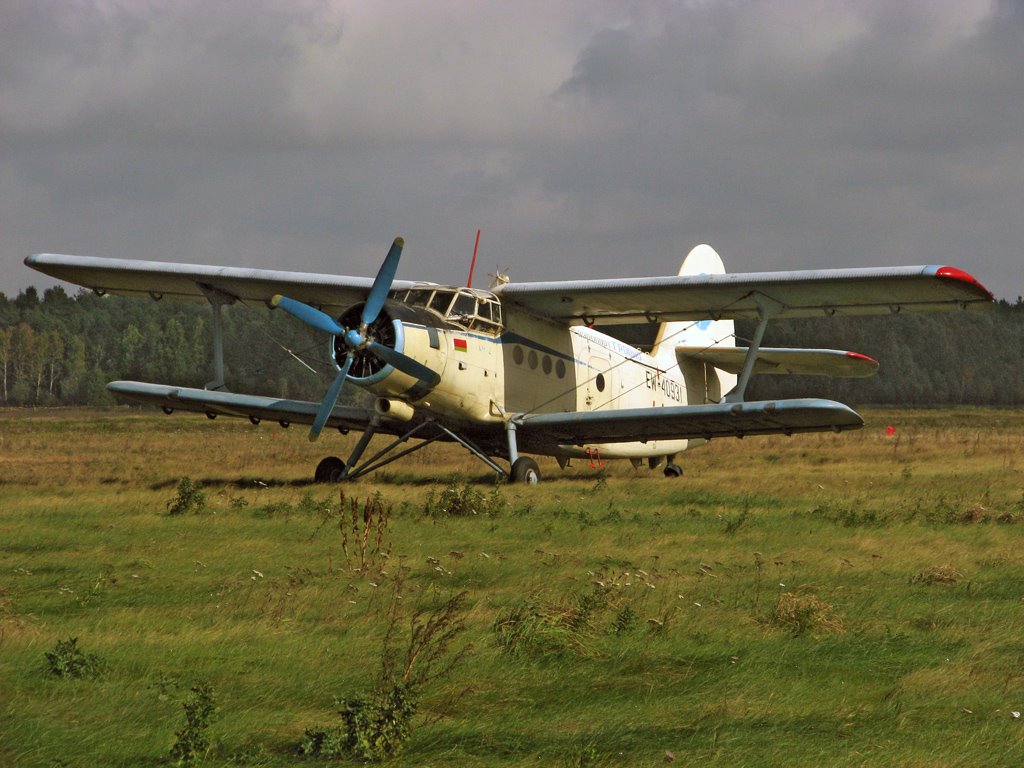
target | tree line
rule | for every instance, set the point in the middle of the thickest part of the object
(948, 358)
(61, 349)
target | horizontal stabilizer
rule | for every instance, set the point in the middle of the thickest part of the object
(801, 362)
(770, 417)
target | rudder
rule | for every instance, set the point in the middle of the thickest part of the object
(704, 383)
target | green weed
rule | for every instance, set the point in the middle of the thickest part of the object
(376, 726)
(463, 500)
(192, 741)
(69, 661)
(189, 499)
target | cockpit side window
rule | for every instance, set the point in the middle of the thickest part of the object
(441, 301)
(483, 309)
(464, 308)
(418, 298)
(495, 309)
(470, 309)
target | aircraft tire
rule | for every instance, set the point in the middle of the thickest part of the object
(329, 470)
(525, 470)
(673, 470)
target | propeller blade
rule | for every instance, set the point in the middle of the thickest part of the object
(404, 363)
(330, 399)
(382, 283)
(307, 314)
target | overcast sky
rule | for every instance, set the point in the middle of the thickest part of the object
(586, 138)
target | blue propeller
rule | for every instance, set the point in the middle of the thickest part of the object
(307, 314)
(329, 401)
(382, 283)
(355, 338)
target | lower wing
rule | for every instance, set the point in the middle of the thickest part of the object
(770, 417)
(255, 407)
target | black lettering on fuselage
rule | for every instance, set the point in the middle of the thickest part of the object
(668, 387)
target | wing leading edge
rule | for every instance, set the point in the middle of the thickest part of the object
(157, 279)
(806, 293)
(770, 417)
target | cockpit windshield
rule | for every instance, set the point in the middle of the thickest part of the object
(468, 308)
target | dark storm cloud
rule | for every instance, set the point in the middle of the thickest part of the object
(585, 139)
(792, 139)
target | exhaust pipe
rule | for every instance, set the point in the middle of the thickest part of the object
(394, 409)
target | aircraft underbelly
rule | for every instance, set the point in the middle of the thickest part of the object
(628, 450)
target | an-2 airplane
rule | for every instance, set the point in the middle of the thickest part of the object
(519, 369)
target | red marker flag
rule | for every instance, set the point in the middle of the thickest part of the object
(460, 345)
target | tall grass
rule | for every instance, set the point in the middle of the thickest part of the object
(837, 599)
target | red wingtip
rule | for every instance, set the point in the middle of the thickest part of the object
(859, 356)
(952, 273)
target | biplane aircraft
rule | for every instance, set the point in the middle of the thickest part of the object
(520, 369)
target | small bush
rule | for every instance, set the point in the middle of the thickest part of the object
(804, 614)
(309, 505)
(625, 621)
(189, 499)
(68, 660)
(370, 730)
(376, 727)
(462, 500)
(192, 742)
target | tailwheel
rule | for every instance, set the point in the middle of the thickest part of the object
(525, 470)
(329, 470)
(673, 470)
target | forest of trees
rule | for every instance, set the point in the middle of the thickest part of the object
(61, 349)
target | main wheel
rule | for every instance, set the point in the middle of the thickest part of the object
(525, 470)
(329, 470)
(673, 470)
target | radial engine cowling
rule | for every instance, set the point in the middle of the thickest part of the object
(368, 368)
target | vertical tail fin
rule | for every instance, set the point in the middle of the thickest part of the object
(704, 383)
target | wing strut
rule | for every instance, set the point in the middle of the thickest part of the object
(767, 308)
(218, 300)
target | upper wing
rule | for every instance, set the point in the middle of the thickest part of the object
(801, 294)
(687, 421)
(159, 279)
(803, 362)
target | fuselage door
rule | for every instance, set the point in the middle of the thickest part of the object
(598, 388)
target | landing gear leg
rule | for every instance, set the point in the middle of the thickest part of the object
(524, 469)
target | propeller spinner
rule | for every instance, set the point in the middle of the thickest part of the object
(356, 338)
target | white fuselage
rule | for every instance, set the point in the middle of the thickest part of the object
(529, 365)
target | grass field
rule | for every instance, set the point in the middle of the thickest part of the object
(846, 600)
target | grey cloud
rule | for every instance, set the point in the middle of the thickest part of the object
(593, 139)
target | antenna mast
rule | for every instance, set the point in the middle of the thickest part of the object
(472, 264)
